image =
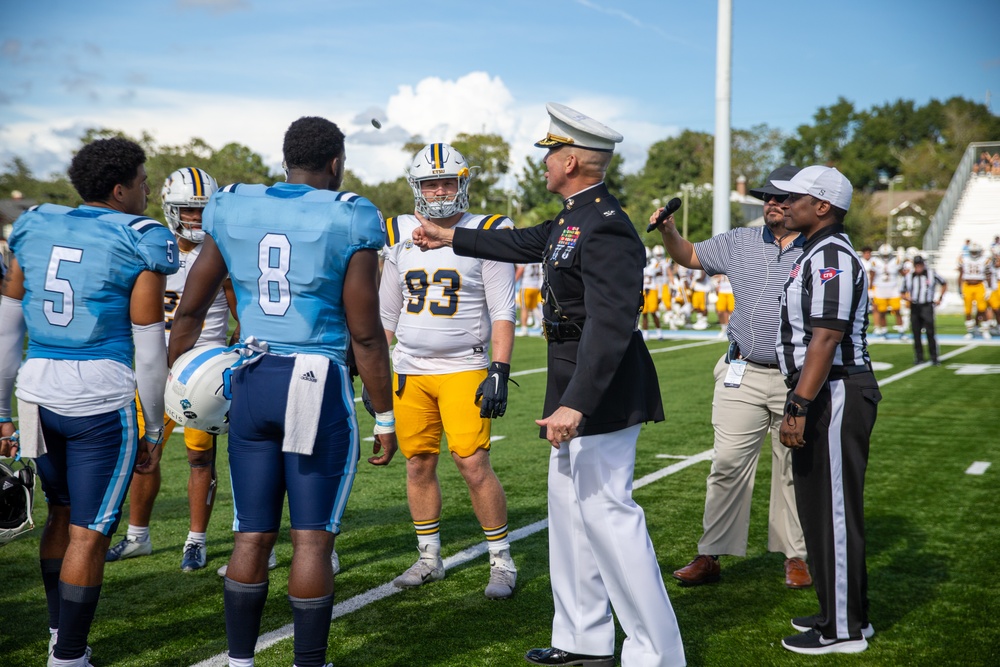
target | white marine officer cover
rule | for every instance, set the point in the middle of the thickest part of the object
(79, 268)
(441, 305)
(287, 247)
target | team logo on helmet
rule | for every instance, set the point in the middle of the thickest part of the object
(197, 389)
(440, 161)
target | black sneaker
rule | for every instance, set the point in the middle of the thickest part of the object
(812, 642)
(806, 623)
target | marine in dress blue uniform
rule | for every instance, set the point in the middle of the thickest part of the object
(602, 386)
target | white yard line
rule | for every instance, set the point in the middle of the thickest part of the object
(978, 468)
(919, 367)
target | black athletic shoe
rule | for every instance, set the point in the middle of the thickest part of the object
(806, 623)
(813, 642)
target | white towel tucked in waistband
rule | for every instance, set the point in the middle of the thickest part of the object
(30, 427)
(305, 398)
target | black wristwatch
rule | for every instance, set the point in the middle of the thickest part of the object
(796, 406)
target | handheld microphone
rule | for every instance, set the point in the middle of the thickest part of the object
(668, 210)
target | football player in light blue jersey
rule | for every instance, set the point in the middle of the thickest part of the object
(303, 258)
(86, 285)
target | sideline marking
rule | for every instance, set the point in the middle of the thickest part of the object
(919, 367)
(355, 603)
(978, 468)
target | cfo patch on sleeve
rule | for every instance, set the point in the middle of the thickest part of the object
(828, 274)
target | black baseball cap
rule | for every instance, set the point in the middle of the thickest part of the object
(783, 173)
(918, 260)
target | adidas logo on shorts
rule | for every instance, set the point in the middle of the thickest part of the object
(308, 376)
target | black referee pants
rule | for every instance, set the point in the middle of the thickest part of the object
(829, 476)
(922, 318)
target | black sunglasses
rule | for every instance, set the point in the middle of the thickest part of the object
(778, 198)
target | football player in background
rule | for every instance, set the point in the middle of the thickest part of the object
(184, 194)
(444, 311)
(701, 285)
(86, 285)
(993, 290)
(974, 272)
(724, 303)
(651, 297)
(530, 276)
(292, 426)
(884, 276)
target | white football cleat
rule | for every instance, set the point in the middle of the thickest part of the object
(429, 567)
(129, 547)
(503, 576)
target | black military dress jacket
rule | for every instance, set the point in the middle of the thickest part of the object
(593, 261)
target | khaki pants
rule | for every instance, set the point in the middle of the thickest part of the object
(742, 417)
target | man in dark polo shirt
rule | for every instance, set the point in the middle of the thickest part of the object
(750, 392)
(831, 408)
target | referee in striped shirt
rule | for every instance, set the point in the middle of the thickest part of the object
(831, 408)
(918, 289)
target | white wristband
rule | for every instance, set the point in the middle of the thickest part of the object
(385, 422)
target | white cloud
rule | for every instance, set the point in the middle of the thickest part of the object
(434, 109)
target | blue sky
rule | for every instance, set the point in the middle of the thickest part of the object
(242, 70)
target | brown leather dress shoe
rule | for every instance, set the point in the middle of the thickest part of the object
(797, 574)
(702, 570)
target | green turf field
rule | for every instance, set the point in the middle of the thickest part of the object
(934, 575)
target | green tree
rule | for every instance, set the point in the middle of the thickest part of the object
(391, 197)
(756, 152)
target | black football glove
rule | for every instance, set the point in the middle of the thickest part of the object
(491, 397)
(367, 401)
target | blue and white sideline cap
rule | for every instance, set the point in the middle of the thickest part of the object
(824, 183)
(568, 127)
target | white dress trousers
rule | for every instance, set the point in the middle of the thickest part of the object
(601, 557)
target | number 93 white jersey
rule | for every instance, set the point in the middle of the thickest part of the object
(216, 321)
(441, 306)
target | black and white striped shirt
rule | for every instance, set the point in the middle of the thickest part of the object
(920, 286)
(827, 288)
(757, 268)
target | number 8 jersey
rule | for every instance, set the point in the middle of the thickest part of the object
(287, 247)
(442, 306)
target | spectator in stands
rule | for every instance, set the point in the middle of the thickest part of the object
(984, 165)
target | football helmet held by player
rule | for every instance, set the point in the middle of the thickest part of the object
(17, 495)
(440, 161)
(188, 187)
(197, 393)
